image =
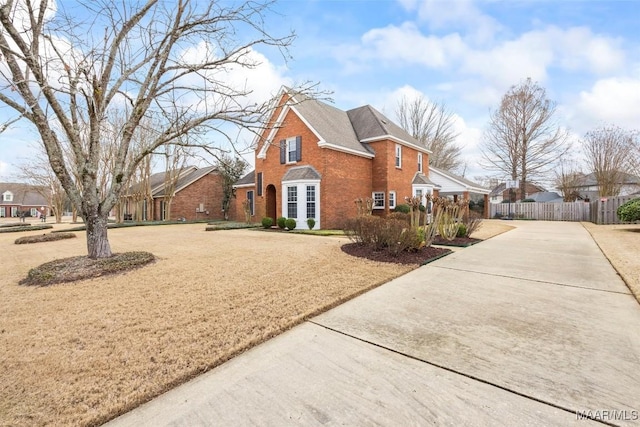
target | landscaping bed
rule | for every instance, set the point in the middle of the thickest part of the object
(418, 257)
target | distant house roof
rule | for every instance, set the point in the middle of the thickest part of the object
(452, 183)
(546, 197)
(186, 177)
(422, 179)
(501, 188)
(23, 194)
(247, 181)
(590, 180)
(301, 173)
(349, 131)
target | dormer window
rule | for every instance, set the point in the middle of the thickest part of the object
(7, 196)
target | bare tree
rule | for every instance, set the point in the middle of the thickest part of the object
(231, 169)
(175, 161)
(609, 153)
(432, 123)
(523, 139)
(568, 177)
(39, 175)
(155, 63)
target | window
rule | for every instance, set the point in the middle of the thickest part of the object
(392, 199)
(14, 211)
(398, 156)
(311, 201)
(259, 184)
(292, 202)
(378, 200)
(291, 150)
(33, 212)
(251, 202)
(7, 196)
(419, 162)
(3, 212)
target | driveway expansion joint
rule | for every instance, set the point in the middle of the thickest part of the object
(566, 285)
(469, 376)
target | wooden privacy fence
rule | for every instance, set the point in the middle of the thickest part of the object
(569, 211)
(603, 210)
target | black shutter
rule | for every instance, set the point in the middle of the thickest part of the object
(298, 148)
(283, 152)
(259, 182)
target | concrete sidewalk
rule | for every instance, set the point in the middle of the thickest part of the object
(532, 327)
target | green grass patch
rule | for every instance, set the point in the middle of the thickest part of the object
(82, 267)
(320, 232)
(25, 228)
(230, 225)
(44, 238)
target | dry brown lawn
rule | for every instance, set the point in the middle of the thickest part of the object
(83, 353)
(621, 245)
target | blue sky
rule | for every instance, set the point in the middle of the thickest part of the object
(464, 53)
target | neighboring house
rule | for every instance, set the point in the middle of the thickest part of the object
(197, 195)
(16, 198)
(546, 197)
(588, 186)
(455, 186)
(317, 160)
(500, 193)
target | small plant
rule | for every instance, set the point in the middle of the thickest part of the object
(462, 230)
(281, 222)
(290, 223)
(311, 223)
(267, 222)
(403, 208)
(629, 211)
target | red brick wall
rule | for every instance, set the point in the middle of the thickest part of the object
(207, 190)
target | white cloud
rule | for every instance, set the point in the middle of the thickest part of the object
(408, 45)
(609, 101)
(459, 14)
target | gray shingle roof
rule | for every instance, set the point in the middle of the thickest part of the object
(248, 179)
(187, 176)
(370, 123)
(331, 123)
(23, 194)
(422, 179)
(299, 173)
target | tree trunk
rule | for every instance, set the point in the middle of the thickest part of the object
(97, 241)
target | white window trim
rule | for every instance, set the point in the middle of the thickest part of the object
(392, 200)
(398, 156)
(373, 196)
(253, 201)
(288, 143)
(301, 221)
(7, 196)
(420, 162)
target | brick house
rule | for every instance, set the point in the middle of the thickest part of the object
(317, 159)
(197, 195)
(500, 193)
(16, 198)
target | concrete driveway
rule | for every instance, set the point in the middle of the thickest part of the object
(532, 327)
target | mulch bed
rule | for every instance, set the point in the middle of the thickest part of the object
(458, 241)
(420, 257)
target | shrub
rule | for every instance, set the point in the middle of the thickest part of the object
(362, 229)
(528, 201)
(391, 235)
(472, 222)
(403, 208)
(462, 230)
(629, 211)
(400, 216)
(267, 222)
(311, 223)
(290, 223)
(281, 222)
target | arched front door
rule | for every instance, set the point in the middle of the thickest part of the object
(271, 201)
